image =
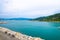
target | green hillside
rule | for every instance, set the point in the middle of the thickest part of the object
(55, 17)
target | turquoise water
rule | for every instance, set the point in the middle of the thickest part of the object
(45, 30)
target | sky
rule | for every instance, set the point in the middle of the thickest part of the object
(28, 8)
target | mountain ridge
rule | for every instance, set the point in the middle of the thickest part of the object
(15, 19)
(55, 17)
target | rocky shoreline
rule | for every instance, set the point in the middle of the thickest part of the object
(18, 35)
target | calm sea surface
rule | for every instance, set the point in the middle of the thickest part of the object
(45, 30)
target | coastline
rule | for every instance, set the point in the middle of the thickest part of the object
(18, 35)
(44, 21)
(3, 22)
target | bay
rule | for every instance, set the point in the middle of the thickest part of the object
(45, 30)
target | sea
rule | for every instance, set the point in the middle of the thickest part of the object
(44, 30)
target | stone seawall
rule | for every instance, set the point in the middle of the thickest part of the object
(18, 35)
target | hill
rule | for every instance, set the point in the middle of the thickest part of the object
(55, 17)
(15, 19)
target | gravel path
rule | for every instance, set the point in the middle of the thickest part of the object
(4, 36)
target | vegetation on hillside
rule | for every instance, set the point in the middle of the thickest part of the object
(55, 17)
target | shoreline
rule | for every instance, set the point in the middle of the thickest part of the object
(44, 21)
(18, 35)
(3, 22)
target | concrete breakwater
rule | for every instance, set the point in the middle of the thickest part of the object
(18, 35)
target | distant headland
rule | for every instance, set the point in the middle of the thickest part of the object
(15, 19)
(55, 17)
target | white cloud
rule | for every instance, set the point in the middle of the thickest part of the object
(30, 8)
(13, 5)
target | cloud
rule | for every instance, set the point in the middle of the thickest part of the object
(13, 5)
(29, 8)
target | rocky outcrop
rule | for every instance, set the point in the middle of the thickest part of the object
(18, 35)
